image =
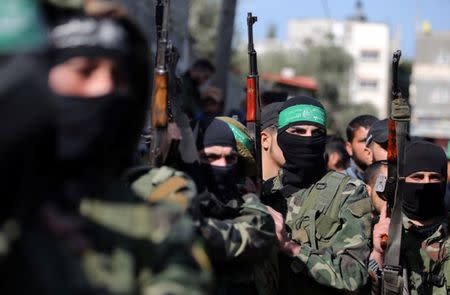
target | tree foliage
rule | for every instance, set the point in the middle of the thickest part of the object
(330, 66)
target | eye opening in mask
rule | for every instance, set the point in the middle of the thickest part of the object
(212, 158)
(424, 177)
(306, 130)
(89, 77)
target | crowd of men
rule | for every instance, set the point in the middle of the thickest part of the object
(84, 213)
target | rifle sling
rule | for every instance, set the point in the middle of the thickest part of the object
(392, 272)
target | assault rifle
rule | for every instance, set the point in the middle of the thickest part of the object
(166, 86)
(254, 101)
(398, 132)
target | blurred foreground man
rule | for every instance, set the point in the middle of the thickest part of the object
(357, 131)
(40, 244)
(425, 239)
(326, 242)
(100, 75)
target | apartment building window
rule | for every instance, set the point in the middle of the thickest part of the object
(370, 55)
(443, 58)
(368, 84)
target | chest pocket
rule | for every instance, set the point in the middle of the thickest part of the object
(318, 219)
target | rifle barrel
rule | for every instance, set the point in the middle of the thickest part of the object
(251, 47)
(395, 62)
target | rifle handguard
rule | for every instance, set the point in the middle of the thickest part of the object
(159, 103)
(251, 99)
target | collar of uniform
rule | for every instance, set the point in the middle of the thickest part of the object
(438, 234)
(277, 182)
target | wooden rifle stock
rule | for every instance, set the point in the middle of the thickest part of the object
(253, 103)
(159, 101)
(160, 95)
(252, 96)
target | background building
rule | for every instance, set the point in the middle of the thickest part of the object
(430, 88)
(369, 44)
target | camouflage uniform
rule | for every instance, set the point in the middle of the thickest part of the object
(336, 258)
(165, 184)
(141, 249)
(131, 246)
(119, 245)
(237, 235)
(425, 261)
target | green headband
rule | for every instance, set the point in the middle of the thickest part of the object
(302, 112)
(240, 136)
(21, 26)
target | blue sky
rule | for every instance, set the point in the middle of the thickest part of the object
(395, 13)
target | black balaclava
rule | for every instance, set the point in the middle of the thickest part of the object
(221, 181)
(27, 111)
(98, 135)
(305, 162)
(424, 201)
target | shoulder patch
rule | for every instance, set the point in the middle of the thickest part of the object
(170, 190)
(165, 184)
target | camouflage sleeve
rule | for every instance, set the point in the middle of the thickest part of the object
(343, 265)
(179, 264)
(165, 184)
(247, 237)
(155, 248)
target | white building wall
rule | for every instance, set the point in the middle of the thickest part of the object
(430, 87)
(367, 43)
(370, 49)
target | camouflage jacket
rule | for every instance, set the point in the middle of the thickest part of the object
(141, 248)
(331, 220)
(165, 184)
(239, 238)
(426, 260)
(238, 235)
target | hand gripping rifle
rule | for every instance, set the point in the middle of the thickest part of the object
(164, 89)
(398, 132)
(253, 101)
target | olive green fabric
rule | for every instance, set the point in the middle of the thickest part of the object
(331, 220)
(152, 247)
(426, 260)
(165, 184)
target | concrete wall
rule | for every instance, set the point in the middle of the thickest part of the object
(368, 44)
(430, 88)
